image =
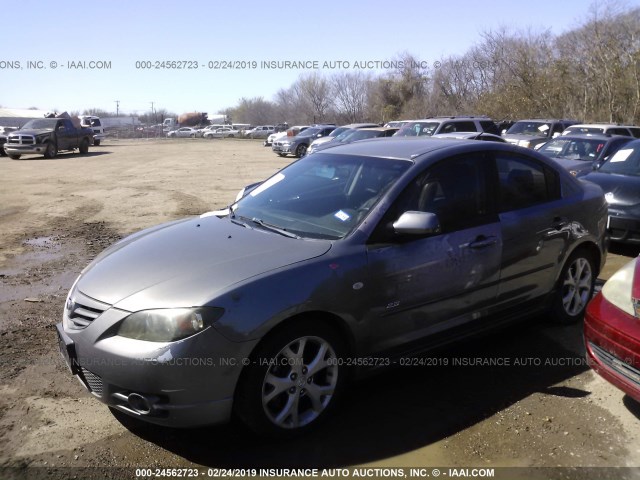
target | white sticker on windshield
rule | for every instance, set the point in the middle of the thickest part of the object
(269, 183)
(621, 155)
(543, 128)
(342, 215)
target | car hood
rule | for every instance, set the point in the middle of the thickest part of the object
(620, 190)
(573, 164)
(31, 131)
(188, 263)
(321, 140)
(520, 136)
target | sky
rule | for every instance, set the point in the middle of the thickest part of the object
(110, 55)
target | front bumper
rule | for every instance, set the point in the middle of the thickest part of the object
(36, 149)
(612, 340)
(623, 227)
(186, 383)
(284, 149)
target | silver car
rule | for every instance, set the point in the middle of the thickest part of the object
(342, 262)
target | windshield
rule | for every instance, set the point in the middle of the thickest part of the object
(321, 196)
(362, 135)
(40, 124)
(338, 131)
(583, 130)
(417, 129)
(345, 134)
(625, 161)
(583, 149)
(536, 129)
(309, 132)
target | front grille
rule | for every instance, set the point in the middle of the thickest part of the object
(93, 382)
(21, 140)
(82, 310)
(617, 365)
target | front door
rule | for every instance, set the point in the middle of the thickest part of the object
(425, 285)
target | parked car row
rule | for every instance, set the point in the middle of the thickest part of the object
(364, 248)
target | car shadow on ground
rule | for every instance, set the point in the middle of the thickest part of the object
(627, 250)
(62, 155)
(632, 405)
(401, 410)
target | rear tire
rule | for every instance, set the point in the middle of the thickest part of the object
(301, 151)
(294, 380)
(575, 288)
(84, 146)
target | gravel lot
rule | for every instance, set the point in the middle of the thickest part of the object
(541, 407)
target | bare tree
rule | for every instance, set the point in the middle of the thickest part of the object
(314, 90)
(351, 93)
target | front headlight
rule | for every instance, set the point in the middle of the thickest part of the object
(618, 289)
(168, 325)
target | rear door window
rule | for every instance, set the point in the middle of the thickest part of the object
(524, 182)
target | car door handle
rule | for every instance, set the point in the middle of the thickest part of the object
(483, 242)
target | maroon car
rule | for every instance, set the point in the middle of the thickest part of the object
(612, 330)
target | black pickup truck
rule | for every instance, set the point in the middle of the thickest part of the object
(47, 136)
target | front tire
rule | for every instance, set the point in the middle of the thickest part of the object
(575, 288)
(96, 143)
(294, 380)
(51, 151)
(14, 157)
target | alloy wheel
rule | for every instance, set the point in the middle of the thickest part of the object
(576, 288)
(300, 382)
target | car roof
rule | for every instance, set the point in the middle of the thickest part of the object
(596, 125)
(410, 148)
(594, 136)
(378, 129)
(360, 125)
(547, 120)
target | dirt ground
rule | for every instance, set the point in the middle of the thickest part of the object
(545, 409)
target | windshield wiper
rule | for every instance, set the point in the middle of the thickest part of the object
(238, 222)
(273, 228)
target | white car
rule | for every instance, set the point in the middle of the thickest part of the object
(262, 131)
(603, 128)
(291, 131)
(184, 132)
(226, 132)
(211, 128)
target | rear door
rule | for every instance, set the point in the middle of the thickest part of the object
(535, 227)
(425, 285)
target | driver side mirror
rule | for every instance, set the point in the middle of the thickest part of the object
(417, 223)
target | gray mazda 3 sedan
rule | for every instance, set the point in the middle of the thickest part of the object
(344, 261)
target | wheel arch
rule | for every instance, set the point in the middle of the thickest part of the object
(333, 321)
(593, 250)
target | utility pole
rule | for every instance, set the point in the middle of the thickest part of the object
(117, 107)
(155, 120)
